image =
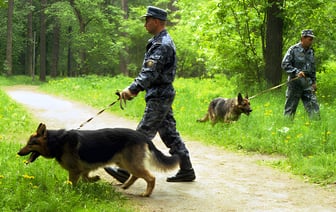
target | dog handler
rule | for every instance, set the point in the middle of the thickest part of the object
(299, 62)
(156, 78)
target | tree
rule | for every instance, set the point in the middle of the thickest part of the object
(30, 40)
(124, 54)
(240, 39)
(43, 51)
(55, 48)
(273, 50)
(83, 22)
(9, 49)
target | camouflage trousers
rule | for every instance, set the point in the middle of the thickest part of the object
(158, 118)
(301, 89)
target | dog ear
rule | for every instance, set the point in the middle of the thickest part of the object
(240, 98)
(41, 129)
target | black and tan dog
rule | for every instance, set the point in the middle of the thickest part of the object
(81, 151)
(227, 110)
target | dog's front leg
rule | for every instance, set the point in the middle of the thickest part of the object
(74, 176)
(86, 178)
(150, 186)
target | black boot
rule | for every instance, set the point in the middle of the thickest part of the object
(183, 175)
(119, 174)
(186, 172)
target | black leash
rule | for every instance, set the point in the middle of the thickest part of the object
(100, 112)
(275, 87)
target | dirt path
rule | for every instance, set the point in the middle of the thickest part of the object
(225, 181)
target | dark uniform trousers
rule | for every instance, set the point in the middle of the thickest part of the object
(301, 89)
(158, 118)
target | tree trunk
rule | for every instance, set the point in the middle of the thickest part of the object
(123, 58)
(55, 50)
(70, 71)
(82, 30)
(273, 51)
(29, 56)
(9, 49)
(43, 41)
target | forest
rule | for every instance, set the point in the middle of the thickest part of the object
(85, 50)
(241, 39)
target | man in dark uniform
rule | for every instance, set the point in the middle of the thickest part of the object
(156, 78)
(299, 62)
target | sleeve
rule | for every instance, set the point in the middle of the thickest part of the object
(288, 63)
(151, 68)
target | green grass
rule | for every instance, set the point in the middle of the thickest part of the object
(42, 186)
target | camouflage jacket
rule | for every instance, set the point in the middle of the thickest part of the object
(298, 59)
(158, 68)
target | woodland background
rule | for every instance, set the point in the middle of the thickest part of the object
(241, 39)
(86, 49)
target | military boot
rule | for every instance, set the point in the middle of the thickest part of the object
(186, 172)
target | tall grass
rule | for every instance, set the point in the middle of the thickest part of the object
(308, 145)
(42, 186)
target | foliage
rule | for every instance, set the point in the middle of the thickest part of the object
(18, 38)
(100, 37)
(316, 15)
(225, 37)
(326, 82)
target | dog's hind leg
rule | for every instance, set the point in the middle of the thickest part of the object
(150, 179)
(74, 176)
(129, 182)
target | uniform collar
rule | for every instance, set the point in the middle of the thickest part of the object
(153, 39)
(303, 49)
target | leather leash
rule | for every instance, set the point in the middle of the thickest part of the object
(101, 111)
(275, 87)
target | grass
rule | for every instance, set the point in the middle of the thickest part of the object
(42, 186)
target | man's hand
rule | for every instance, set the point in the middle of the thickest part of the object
(314, 87)
(301, 74)
(126, 94)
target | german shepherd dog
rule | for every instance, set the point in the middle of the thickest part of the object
(227, 110)
(82, 151)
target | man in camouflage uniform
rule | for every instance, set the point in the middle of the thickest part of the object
(299, 62)
(156, 78)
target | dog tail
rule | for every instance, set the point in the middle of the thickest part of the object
(160, 160)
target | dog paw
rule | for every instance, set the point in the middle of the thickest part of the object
(145, 194)
(123, 186)
(93, 179)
